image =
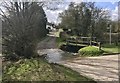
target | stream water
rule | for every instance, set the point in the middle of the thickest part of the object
(56, 55)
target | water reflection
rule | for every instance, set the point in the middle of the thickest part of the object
(56, 55)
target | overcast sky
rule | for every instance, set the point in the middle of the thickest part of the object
(62, 5)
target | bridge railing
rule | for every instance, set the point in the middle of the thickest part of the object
(77, 41)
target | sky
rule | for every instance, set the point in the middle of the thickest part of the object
(61, 5)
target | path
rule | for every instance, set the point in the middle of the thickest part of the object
(103, 68)
(47, 43)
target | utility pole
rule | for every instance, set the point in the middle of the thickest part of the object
(110, 34)
(109, 27)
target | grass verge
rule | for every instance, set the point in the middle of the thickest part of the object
(108, 49)
(39, 70)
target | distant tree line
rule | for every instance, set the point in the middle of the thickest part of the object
(85, 19)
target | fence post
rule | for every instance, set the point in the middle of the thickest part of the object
(99, 45)
(66, 41)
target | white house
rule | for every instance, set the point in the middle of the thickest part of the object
(50, 28)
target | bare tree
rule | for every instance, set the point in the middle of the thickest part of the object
(23, 26)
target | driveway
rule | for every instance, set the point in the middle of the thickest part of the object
(103, 68)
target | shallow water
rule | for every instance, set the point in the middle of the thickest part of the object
(56, 55)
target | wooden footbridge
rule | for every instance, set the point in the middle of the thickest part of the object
(74, 44)
(82, 41)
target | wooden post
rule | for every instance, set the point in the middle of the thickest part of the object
(66, 41)
(76, 41)
(90, 43)
(99, 45)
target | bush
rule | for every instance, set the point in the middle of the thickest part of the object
(22, 30)
(90, 51)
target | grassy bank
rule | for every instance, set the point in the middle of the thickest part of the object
(38, 70)
(90, 51)
(59, 42)
(111, 48)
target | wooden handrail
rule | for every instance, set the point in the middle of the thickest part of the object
(71, 40)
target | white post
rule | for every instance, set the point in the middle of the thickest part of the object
(110, 34)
